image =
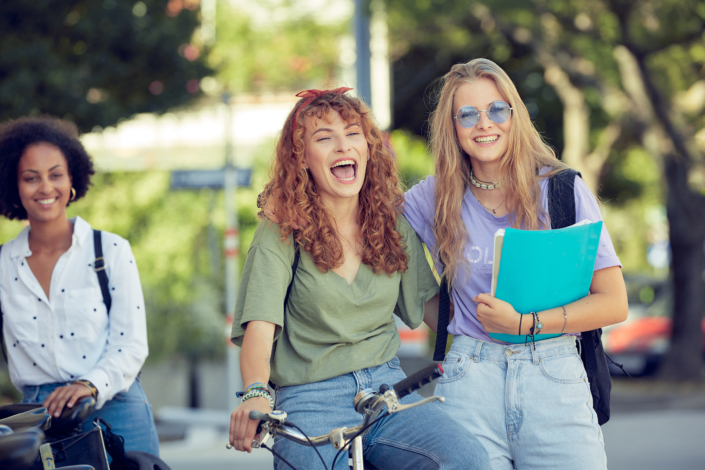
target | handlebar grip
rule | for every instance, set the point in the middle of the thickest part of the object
(258, 416)
(418, 380)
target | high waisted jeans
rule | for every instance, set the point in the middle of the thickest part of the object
(422, 438)
(129, 414)
(530, 408)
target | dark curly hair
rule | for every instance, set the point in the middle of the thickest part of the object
(18, 134)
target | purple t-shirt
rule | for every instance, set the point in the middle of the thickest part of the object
(481, 226)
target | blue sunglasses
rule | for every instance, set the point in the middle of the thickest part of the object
(468, 116)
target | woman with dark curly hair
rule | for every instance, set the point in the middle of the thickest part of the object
(65, 338)
(359, 264)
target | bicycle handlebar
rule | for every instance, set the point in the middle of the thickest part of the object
(418, 380)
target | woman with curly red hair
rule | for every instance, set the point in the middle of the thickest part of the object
(359, 263)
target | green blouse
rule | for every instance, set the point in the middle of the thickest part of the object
(329, 328)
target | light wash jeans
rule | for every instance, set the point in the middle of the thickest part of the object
(531, 409)
(129, 414)
(422, 438)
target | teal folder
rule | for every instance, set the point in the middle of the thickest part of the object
(542, 269)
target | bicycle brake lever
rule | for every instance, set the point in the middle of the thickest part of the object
(393, 405)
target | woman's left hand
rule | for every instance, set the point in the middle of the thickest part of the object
(65, 396)
(496, 316)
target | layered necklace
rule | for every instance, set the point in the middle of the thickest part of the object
(486, 185)
(483, 184)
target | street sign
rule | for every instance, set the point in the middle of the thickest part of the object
(215, 179)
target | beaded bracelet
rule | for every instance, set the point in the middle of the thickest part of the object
(256, 386)
(258, 393)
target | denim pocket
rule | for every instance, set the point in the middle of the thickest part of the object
(394, 363)
(454, 366)
(566, 369)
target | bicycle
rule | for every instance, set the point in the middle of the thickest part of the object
(27, 433)
(368, 402)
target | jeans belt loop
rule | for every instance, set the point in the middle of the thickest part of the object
(535, 355)
(478, 348)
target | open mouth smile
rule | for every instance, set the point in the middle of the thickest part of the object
(488, 139)
(345, 170)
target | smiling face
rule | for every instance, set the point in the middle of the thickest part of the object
(336, 155)
(43, 182)
(487, 141)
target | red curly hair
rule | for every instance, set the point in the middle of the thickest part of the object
(293, 196)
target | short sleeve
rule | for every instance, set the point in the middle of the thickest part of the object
(265, 278)
(419, 209)
(586, 207)
(418, 284)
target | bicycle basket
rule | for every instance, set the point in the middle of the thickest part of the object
(82, 449)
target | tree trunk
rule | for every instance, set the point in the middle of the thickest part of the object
(685, 209)
(194, 393)
(684, 359)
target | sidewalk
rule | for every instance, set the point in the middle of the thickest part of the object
(631, 395)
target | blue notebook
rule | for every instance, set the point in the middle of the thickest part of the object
(536, 270)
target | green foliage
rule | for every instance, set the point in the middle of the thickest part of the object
(413, 159)
(294, 53)
(94, 61)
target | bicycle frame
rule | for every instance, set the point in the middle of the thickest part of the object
(368, 402)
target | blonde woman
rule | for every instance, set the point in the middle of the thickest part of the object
(530, 408)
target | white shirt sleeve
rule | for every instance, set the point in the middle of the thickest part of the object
(126, 347)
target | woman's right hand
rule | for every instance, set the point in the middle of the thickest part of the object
(242, 428)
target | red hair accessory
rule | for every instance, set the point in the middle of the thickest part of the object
(312, 95)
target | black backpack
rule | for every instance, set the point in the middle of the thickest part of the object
(98, 267)
(561, 209)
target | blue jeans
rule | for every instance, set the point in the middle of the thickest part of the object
(531, 409)
(422, 438)
(129, 414)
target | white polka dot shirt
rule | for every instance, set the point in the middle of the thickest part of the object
(69, 335)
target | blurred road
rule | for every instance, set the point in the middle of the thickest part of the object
(653, 427)
(654, 440)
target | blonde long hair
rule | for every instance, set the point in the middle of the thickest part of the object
(519, 168)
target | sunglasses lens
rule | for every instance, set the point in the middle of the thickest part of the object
(499, 112)
(467, 116)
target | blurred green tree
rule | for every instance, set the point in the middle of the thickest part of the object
(96, 61)
(291, 53)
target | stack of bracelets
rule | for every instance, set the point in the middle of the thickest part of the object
(257, 389)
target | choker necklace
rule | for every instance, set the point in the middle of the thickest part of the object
(483, 184)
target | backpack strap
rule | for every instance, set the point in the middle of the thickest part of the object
(293, 273)
(561, 209)
(99, 268)
(295, 265)
(439, 352)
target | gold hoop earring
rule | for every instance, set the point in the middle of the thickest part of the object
(73, 194)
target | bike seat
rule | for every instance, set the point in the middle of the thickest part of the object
(19, 450)
(71, 417)
(37, 418)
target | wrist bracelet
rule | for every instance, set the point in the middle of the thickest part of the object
(94, 391)
(521, 316)
(256, 386)
(565, 319)
(539, 324)
(258, 393)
